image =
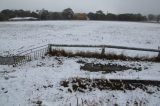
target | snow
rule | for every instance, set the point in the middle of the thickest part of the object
(18, 36)
(22, 18)
(24, 85)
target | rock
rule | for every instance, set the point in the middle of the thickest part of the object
(39, 102)
(61, 89)
(81, 90)
(69, 90)
(115, 105)
(65, 83)
(75, 87)
(6, 92)
(44, 86)
(6, 78)
(43, 57)
(51, 86)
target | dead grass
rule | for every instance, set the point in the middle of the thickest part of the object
(109, 56)
(107, 68)
(86, 84)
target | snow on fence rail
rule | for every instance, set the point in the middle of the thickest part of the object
(106, 46)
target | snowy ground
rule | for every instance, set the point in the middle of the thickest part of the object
(39, 80)
(18, 36)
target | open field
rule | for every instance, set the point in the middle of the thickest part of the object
(18, 36)
(62, 81)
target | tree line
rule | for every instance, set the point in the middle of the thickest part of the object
(68, 14)
(99, 15)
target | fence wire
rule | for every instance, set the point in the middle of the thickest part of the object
(30, 55)
(25, 56)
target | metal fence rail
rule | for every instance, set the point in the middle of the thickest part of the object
(32, 50)
(107, 46)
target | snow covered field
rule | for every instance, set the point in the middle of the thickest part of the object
(40, 79)
(18, 36)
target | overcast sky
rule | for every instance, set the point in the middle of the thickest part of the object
(114, 6)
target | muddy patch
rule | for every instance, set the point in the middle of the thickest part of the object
(107, 68)
(85, 85)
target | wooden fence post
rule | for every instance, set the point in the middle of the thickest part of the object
(82, 102)
(159, 52)
(103, 51)
(77, 101)
(49, 48)
(14, 61)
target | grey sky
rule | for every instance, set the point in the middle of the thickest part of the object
(114, 6)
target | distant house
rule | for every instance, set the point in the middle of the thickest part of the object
(80, 16)
(23, 19)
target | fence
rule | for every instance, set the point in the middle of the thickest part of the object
(41, 51)
(106, 46)
(6, 60)
(30, 55)
(24, 56)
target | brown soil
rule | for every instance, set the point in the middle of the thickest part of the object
(106, 68)
(84, 84)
